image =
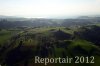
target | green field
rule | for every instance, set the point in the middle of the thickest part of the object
(48, 42)
(6, 35)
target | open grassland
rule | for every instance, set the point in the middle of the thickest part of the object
(6, 35)
(48, 42)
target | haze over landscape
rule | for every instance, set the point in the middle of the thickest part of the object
(49, 29)
(49, 8)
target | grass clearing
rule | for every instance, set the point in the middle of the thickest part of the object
(5, 35)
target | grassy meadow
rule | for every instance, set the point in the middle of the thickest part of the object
(19, 47)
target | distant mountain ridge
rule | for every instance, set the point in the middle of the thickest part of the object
(88, 17)
(13, 22)
(2, 16)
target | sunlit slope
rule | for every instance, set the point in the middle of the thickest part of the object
(49, 42)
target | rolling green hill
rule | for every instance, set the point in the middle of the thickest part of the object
(19, 47)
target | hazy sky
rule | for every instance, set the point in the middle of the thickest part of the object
(49, 8)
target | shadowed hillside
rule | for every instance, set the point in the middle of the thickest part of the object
(23, 46)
